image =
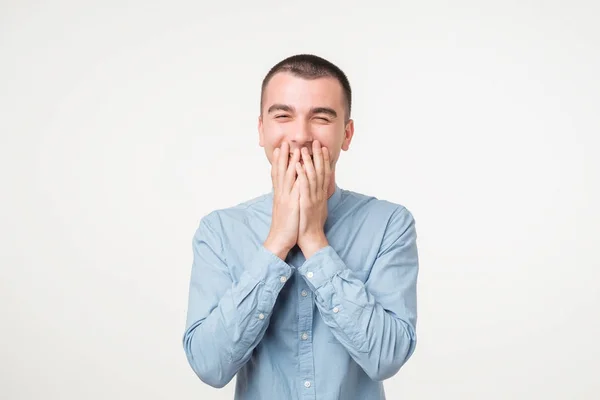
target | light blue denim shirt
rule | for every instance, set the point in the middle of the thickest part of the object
(330, 327)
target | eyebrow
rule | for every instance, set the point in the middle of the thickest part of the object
(315, 110)
(280, 107)
(324, 110)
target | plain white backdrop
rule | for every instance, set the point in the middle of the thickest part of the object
(124, 122)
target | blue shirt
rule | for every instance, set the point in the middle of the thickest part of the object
(330, 327)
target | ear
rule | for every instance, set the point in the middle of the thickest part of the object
(348, 134)
(261, 138)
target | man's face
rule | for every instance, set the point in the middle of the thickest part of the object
(299, 111)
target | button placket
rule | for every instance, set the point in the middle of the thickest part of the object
(306, 369)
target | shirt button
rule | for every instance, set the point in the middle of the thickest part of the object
(303, 293)
(309, 274)
(261, 316)
(283, 279)
(304, 336)
(306, 384)
(335, 309)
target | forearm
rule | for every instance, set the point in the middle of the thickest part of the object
(379, 340)
(220, 343)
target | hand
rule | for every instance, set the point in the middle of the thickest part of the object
(314, 183)
(286, 208)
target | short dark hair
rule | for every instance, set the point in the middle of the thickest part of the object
(309, 66)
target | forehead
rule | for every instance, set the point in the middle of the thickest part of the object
(285, 88)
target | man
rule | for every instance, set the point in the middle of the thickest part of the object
(309, 291)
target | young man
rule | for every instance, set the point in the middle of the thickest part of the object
(309, 291)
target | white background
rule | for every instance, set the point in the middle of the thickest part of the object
(123, 123)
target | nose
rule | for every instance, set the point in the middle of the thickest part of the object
(301, 135)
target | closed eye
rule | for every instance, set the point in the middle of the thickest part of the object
(281, 116)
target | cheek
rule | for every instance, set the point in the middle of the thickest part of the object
(273, 135)
(333, 140)
(272, 140)
(334, 156)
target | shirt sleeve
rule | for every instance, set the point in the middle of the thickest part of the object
(226, 319)
(376, 320)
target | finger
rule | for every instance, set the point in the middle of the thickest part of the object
(274, 168)
(303, 182)
(318, 161)
(326, 169)
(310, 172)
(282, 164)
(295, 193)
(290, 175)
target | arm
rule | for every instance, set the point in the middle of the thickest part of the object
(374, 321)
(227, 319)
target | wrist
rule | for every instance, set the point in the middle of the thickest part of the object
(310, 245)
(279, 249)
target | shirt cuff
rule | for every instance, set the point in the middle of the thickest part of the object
(321, 267)
(268, 268)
